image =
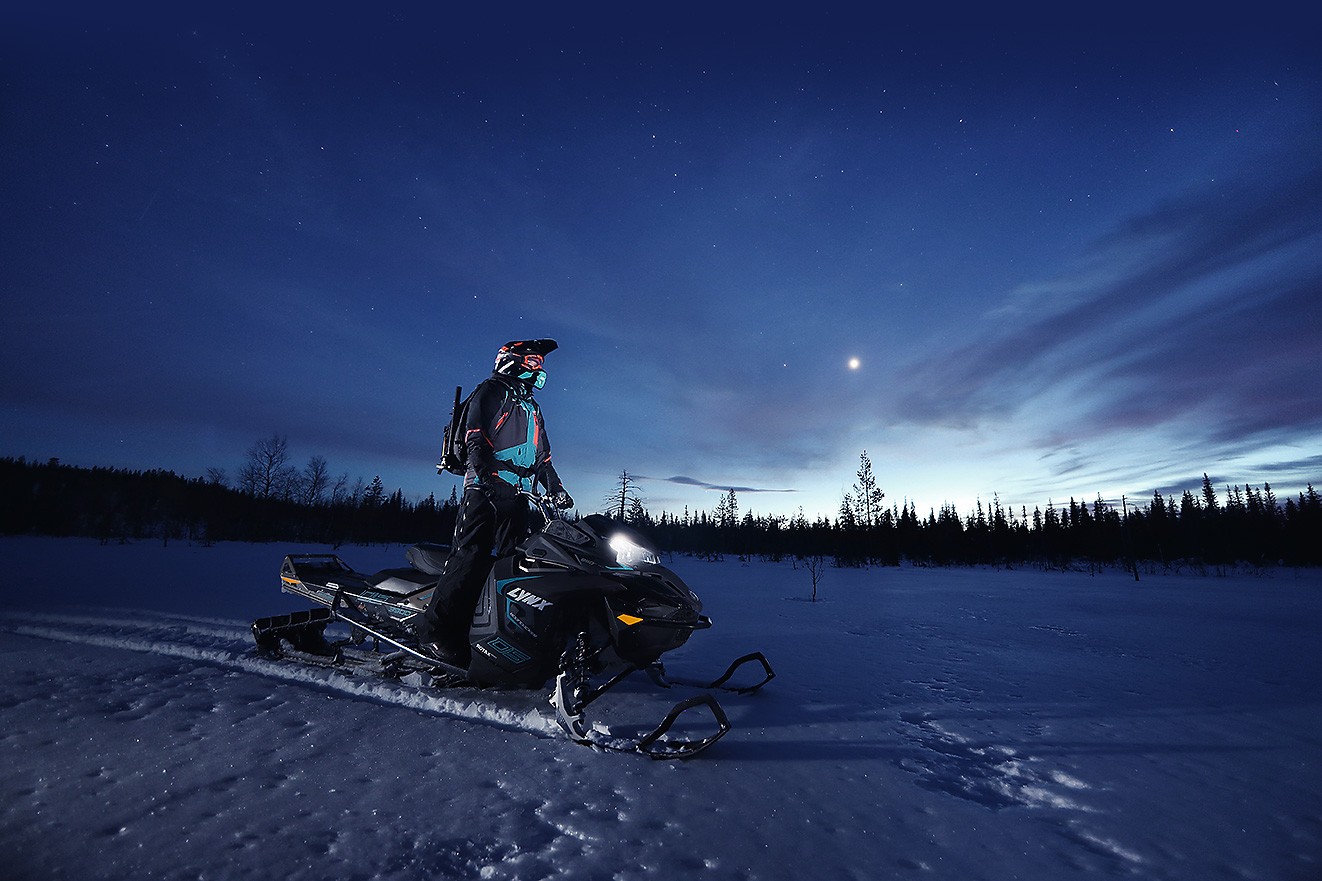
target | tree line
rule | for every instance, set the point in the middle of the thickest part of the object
(271, 501)
(274, 500)
(1241, 525)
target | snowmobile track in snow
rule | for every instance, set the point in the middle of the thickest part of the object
(228, 644)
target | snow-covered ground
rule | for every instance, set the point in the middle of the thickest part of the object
(948, 724)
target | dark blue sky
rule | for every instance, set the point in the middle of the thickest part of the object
(1068, 260)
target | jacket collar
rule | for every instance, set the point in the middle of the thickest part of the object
(517, 388)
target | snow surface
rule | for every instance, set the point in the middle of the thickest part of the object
(925, 723)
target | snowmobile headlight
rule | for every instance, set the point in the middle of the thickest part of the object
(629, 553)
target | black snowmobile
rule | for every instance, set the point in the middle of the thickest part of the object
(576, 600)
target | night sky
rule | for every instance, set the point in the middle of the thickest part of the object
(1038, 262)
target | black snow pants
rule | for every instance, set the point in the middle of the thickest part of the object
(483, 525)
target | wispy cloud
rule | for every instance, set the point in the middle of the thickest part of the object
(1212, 316)
(702, 484)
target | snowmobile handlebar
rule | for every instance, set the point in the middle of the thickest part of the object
(545, 505)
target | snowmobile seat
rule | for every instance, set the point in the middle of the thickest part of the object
(401, 582)
(428, 557)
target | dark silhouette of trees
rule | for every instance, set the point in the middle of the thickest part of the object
(726, 514)
(864, 502)
(119, 505)
(314, 481)
(1207, 528)
(623, 497)
(266, 471)
(1247, 526)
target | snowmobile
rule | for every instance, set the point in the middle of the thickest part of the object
(576, 600)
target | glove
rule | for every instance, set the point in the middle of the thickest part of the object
(562, 499)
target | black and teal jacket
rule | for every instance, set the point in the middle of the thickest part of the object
(506, 437)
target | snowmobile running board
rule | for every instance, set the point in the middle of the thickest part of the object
(304, 631)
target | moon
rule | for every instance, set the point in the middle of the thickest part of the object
(854, 363)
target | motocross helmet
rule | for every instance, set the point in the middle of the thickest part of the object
(523, 360)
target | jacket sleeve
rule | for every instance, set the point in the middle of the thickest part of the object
(546, 474)
(545, 470)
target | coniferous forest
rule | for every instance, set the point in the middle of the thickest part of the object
(271, 501)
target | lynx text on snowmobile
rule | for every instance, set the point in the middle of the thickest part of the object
(576, 600)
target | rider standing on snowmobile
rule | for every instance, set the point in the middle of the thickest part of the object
(508, 451)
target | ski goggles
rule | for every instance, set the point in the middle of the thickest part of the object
(532, 362)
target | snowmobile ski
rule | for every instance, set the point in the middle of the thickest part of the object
(657, 672)
(572, 694)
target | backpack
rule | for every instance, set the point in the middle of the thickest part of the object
(454, 454)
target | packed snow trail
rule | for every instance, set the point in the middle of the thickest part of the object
(232, 648)
(947, 724)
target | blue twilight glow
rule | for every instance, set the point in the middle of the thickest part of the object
(1002, 259)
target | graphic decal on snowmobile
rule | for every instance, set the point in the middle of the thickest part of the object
(519, 595)
(502, 647)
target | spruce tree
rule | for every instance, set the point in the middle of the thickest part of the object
(867, 495)
(375, 494)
